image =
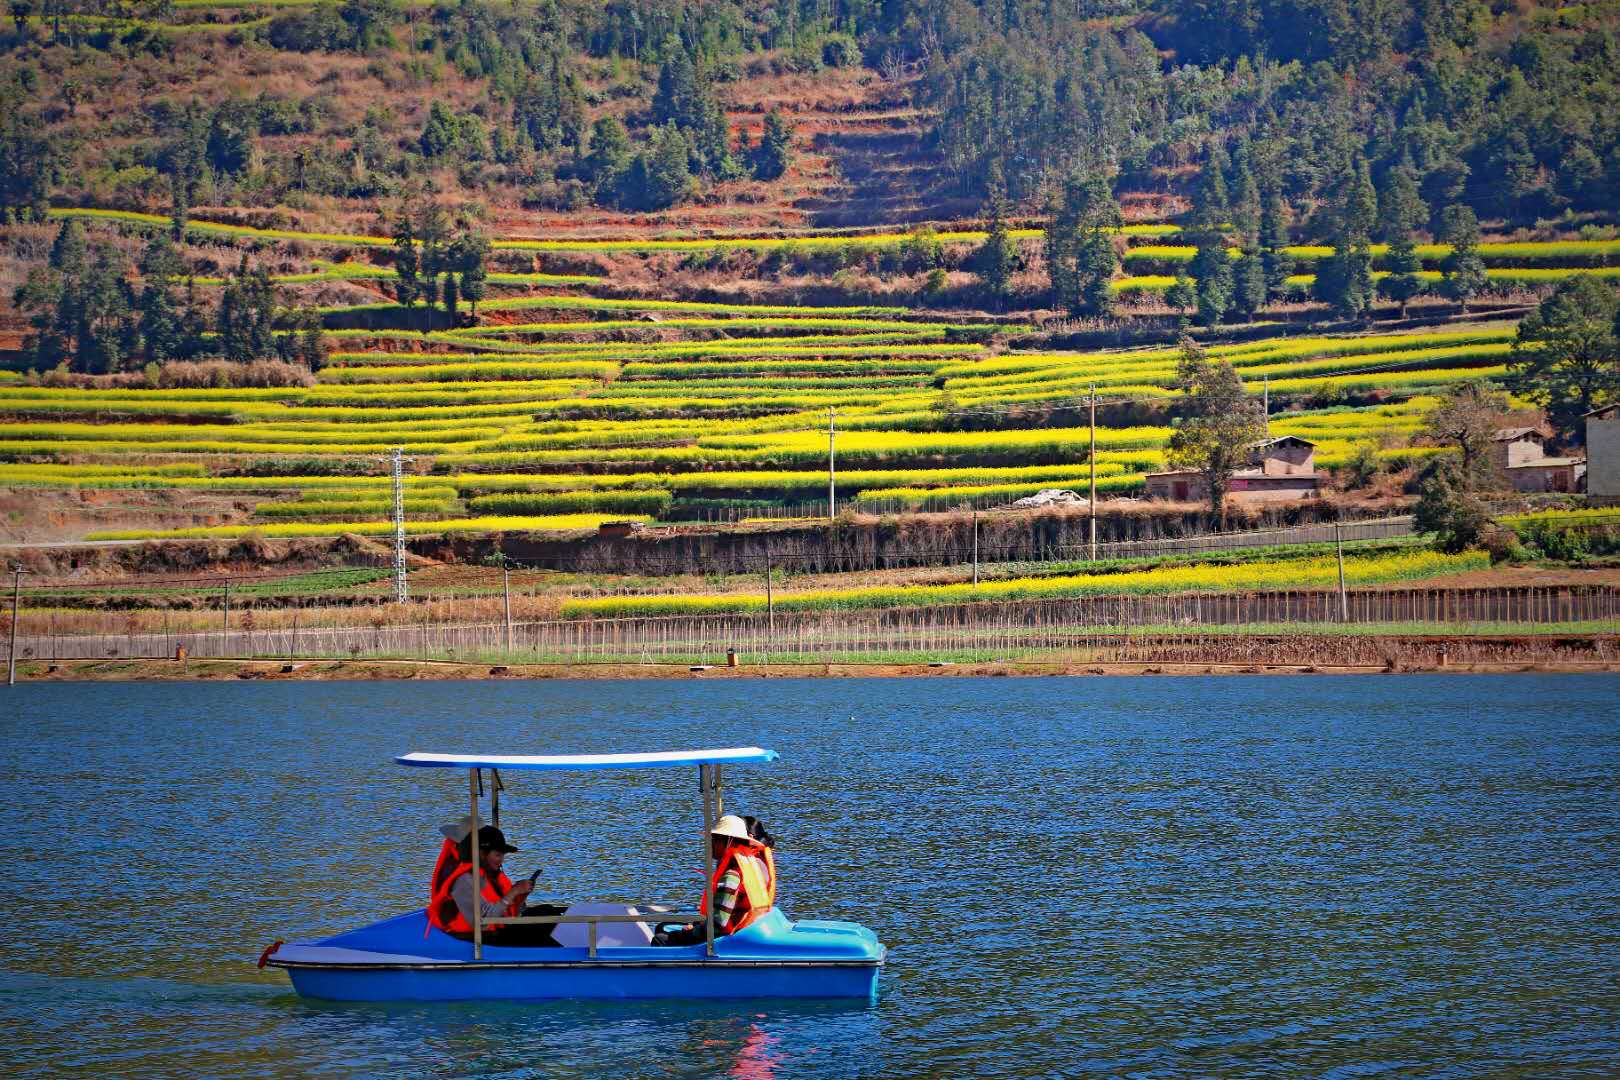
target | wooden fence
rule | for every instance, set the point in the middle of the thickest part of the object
(1064, 629)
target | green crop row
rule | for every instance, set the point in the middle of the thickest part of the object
(652, 502)
(352, 508)
(1561, 253)
(1595, 515)
(891, 326)
(1301, 283)
(1318, 573)
(556, 523)
(18, 448)
(202, 433)
(596, 303)
(760, 243)
(480, 371)
(1079, 381)
(1111, 479)
(877, 345)
(1022, 367)
(945, 442)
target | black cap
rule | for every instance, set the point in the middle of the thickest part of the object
(492, 839)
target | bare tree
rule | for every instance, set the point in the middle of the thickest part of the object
(1223, 422)
(1468, 417)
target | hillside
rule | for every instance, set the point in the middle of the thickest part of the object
(585, 262)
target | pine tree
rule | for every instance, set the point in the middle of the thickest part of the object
(433, 230)
(1359, 213)
(1080, 256)
(407, 261)
(1463, 269)
(1274, 258)
(1249, 284)
(685, 98)
(608, 159)
(104, 320)
(179, 209)
(774, 153)
(668, 179)
(193, 323)
(30, 160)
(159, 325)
(68, 250)
(1244, 194)
(1211, 206)
(468, 255)
(1344, 279)
(452, 297)
(1212, 271)
(1566, 355)
(677, 98)
(247, 315)
(1181, 296)
(1403, 263)
(1401, 210)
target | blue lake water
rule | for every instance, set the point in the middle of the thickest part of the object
(1410, 875)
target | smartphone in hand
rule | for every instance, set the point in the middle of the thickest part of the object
(534, 877)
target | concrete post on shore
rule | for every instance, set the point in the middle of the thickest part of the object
(16, 609)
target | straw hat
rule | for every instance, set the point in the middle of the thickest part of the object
(730, 826)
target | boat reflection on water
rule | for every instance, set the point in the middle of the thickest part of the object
(750, 1048)
(757, 1057)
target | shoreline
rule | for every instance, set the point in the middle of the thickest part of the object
(443, 670)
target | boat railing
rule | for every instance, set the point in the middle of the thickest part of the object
(593, 921)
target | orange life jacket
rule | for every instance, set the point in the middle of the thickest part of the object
(443, 911)
(449, 859)
(756, 867)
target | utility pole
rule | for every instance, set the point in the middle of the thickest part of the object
(16, 607)
(397, 459)
(225, 623)
(1092, 503)
(1265, 395)
(770, 604)
(832, 470)
(770, 607)
(1344, 597)
(975, 549)
(506, 598)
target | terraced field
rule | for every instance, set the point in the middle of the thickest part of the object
(567, 402)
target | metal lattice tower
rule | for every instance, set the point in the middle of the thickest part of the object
(398, 459)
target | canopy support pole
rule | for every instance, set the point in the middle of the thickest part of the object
(704, 785)
(477, 869)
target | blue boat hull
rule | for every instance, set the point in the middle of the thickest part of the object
(586, 981)
(402, 960)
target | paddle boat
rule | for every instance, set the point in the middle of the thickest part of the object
(605, 950)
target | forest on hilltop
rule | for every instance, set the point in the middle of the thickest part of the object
(559, 105)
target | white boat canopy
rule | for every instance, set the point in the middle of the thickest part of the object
(586, 761)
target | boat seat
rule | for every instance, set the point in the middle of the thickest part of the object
(609, 935)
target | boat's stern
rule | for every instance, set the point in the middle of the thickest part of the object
(845, 957)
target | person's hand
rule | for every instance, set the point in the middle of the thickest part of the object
(521, 890)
